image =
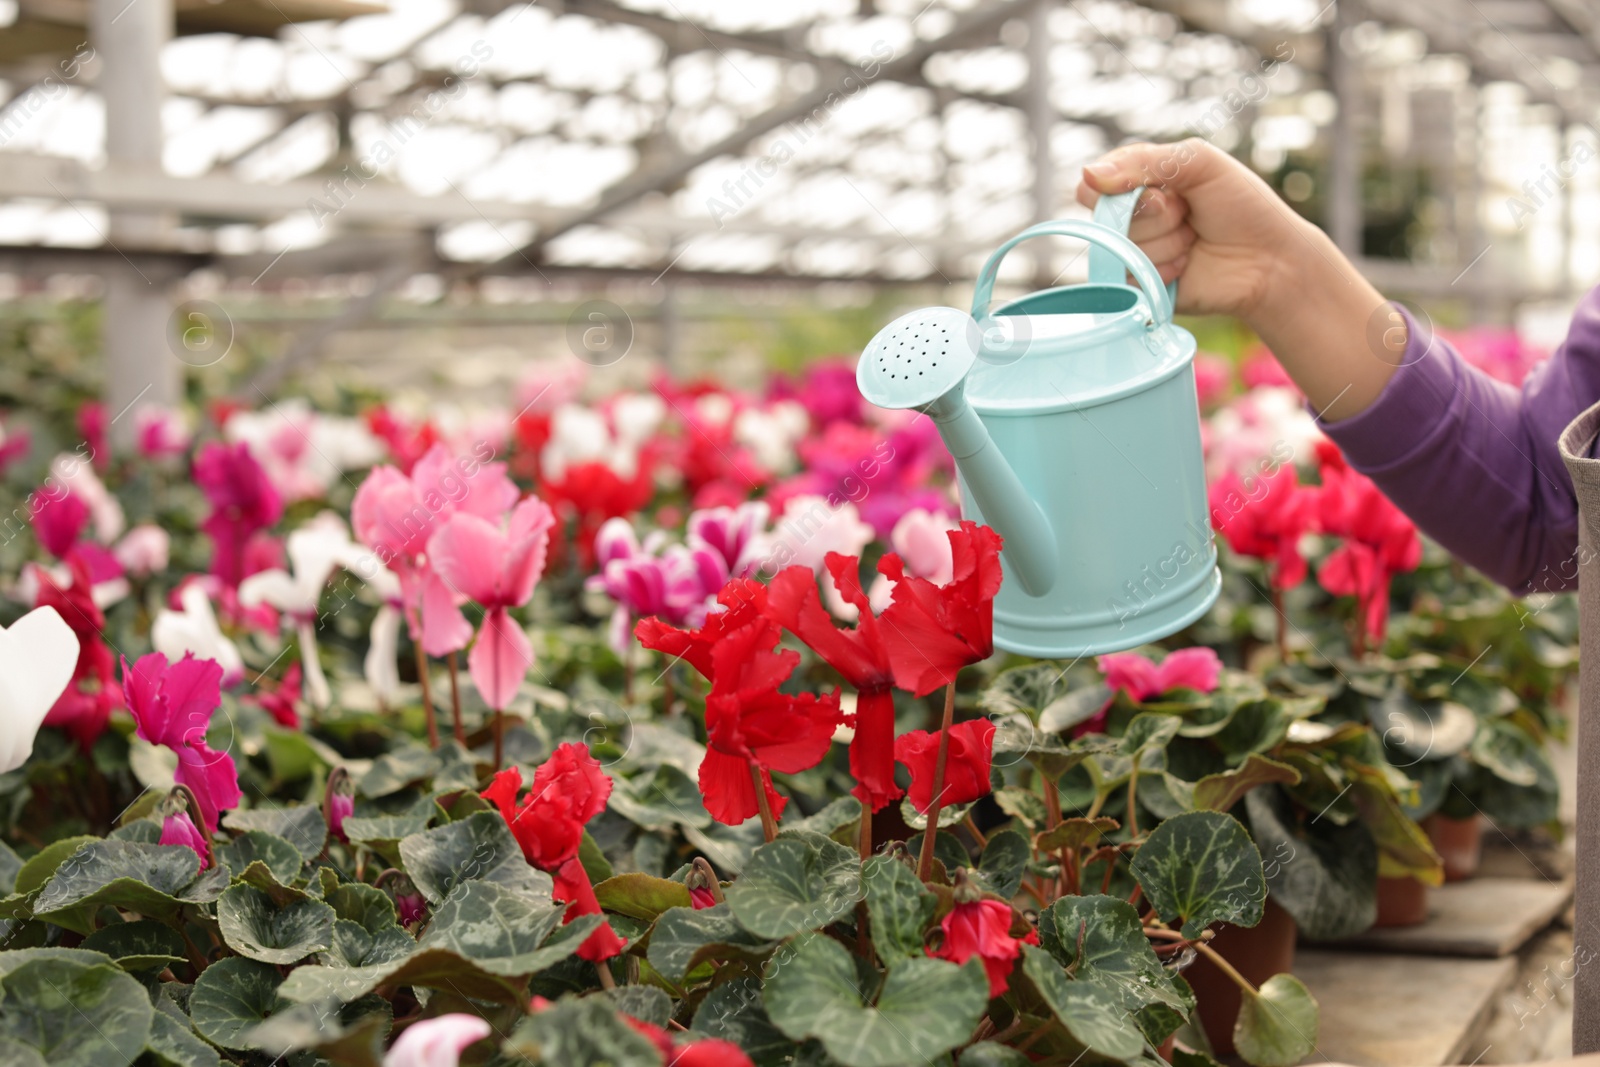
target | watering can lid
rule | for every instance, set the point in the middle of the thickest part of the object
(1078, 345)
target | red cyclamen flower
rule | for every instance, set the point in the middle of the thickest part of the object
(568, 790)
(172, 706)
(83, 708)
(966, 769)
(935, 630)
(1380, 541)
(1266, 520)
(982, 928)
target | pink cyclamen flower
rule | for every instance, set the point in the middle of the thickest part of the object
(243, 502)
(1141, 679)
(672, 582)
(59, 521)
(738, 536)
(172, 706)
(436, 1042)
(143, 550)
(92, 425)
(340, 807)
(159, 432)
(179, 829)
(395, 514)
(497, 568)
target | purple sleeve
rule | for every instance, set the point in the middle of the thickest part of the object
(1473, 461)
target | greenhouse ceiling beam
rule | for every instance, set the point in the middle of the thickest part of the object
(676, 169)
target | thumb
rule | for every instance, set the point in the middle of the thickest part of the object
(1179, 165)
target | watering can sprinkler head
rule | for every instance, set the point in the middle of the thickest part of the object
(921, 361)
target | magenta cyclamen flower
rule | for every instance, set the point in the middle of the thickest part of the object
(59, 522)
(673, 583)
(497, 568)
(243, 502)
(738, 536)
(172, 706)
(179, 829)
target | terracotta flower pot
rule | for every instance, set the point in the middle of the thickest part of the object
(1459, 843)
(1257, 952)
(1401, 902)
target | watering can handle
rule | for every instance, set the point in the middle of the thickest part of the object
(1105, 240)
(1115, 211)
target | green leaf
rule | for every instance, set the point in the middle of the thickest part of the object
(1091, 1013)
(1004, 861)
(478, 847)
(990, 1054)
(798, 882)
(281, 859)
(10, 866)
(350, 1035)
(1027, 689)
(1277, 1026)
(11, 960)
(1323, 874)
(733, 1012)
(949, 815)
(302, 826)
(254, 926)
(367, 906)
(683, 938)
(382, 829)
(899, 906)
(1201, 867)
(138, 946)
(641, 895)
(393, 771)
(1149, 730)
(153, 880)
(1220, 792)
(37, 871)
(75, 1014)
(355, 946)
(643, 1002)
(1022, 804)
(1419, 730)
(500, 930)
(1073, 709)
(1074, 833)
(838, 814)
(1116, 953)
(659, 801)
(171, 1042)
(594, 861)
(926, 1006)
(231, 997)
(581, 1031)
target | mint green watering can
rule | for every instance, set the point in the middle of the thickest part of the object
(1073, 420)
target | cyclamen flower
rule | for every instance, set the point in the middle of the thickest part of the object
(1380, 541)
(568, 790)
(243, 502)
(497, 568)
(59, 521)
(193, 630)
(159, 433)
(1266, 520)
(436, 1042)
(749, 724)
(280, 699)
(73, 473)
(982, 928)
(172, 706)
(179, 829)
(143, 550)
(1141, 679)
(935, 630)
(967, 762)
(38, 658)
(85, 704)
(674, 583)
(737, 535)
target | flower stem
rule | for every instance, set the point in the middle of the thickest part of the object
(769, 825)
(603, 969)
(1281, 625)
(1225, 967)
(499, 739)
(455, 700)
(427, 696)
(977, 834)
(925, 861)
(1133, 801)
(864, 837)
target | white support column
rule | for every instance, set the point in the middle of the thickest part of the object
(141, 366)
(1041, 120)
(1344, 163)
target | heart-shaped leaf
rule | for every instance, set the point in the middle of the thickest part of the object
(683, 938)
(367, 906)
(498, 929)
(478, 847)
(1201, 867)
(302, 826)
(733, 1012)
(1092, 1014)
(581, 1031)
(1220, 792)
(138, 946)
(990, 1054)
(1074, 833)
(393, 771)
(796, 883)
(899, 906)
(926, 1006)
(1115, 952)
(254, 926)
(1323, 874)
(379, 830)
(641, 896)
(1277, 1025)
(949, 815)
(643, 1002)
(1004, 861)
(281, 859)
(153, 880)
(659, 801)
(232, 997)
(174, 1043)
(1021, 804)
(74, 1013)
(354, 946)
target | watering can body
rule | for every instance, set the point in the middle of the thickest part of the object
(1088, 461)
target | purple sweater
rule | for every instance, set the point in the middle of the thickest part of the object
(1473, 461)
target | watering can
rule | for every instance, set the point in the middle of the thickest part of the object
(1072, 416)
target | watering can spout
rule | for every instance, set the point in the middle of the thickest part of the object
(920, 361)
(1030, 543)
